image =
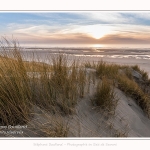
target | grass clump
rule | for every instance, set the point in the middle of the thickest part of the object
(15, 91)
(142, 72)
(105, 95)
(122, 77)
(54, 87)
(62, 86)
(128, 73)
(104, 69)
(57, 128)
(131, 88)
(88, 64)
(136, 68)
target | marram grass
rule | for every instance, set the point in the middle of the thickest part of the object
(105, 96)
(53, 87)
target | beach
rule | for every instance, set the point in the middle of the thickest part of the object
(126, 56)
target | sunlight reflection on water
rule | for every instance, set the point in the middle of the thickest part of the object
(118, 56)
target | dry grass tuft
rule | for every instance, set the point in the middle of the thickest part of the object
(108, 70)
(55, 86)
(15, 90)
(131, 88)
(105, 96)
(142, 72)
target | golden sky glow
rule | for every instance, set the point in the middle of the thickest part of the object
(95, 27)
(97, 31)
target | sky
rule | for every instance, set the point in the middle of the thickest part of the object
(77, 27)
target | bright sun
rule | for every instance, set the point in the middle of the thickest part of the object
(98, 31)
(97, 35)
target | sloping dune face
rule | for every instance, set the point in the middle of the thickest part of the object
(128, 120)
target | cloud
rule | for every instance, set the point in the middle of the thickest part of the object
(124, 39)
(106, 17)
(81, 27)
(80, 38)
(77, 38)
(142, 15)
(87, 17)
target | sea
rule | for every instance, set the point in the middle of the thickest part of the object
(135, 51)
(40, 51)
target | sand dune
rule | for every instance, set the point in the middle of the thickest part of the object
(128, 119)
